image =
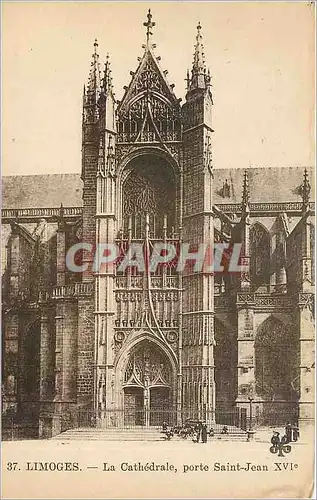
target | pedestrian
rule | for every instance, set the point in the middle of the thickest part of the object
(198, 432)
(275, 439)
(195, 436)
(204, 433)
(288, 432)
(295, 432)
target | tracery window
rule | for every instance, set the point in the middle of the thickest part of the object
(148, 366)
(148, 189)
(260, 254)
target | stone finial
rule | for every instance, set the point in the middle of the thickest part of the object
(305, 191)
(94, 74)
(200, 79)
(245, 192)
(149, 24)
(107, 78)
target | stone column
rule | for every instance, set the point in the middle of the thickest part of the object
(104, 275)
(306, 266)
(59, 320)
(86, 347)
(307, 358)
(69, 357)
(246, 353)
(44, 356)
(46, 380)
(61, 254)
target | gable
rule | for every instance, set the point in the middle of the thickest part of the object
(148, 78)
(149, 110)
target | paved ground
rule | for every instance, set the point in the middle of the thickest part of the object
(193, 470)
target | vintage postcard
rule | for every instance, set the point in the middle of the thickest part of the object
(158, 281)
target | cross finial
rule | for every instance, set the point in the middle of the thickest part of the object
(149, 25)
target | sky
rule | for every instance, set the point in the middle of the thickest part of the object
(261, 57)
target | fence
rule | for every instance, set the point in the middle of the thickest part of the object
(19, 423)
(12, 431)
(235, 419)
(273, 414)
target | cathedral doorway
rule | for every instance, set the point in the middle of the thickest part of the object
(147, 387)
(133, 406)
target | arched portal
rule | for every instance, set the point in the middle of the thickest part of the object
(148, 386)
(148, 187)
(276, 353)
(276, 370)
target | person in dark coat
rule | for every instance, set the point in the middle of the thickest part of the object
(295, 432)
(275, 439)
(164, 426)
(204, 433)
(211, 432)
(288, 432)
(198, 432)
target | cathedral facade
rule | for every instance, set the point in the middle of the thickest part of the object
(109, 346)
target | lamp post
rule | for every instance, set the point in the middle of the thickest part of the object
(250, 431)
(250, 398)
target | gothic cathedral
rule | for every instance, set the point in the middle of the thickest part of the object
(113, 347)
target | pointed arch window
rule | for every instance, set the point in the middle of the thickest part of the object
(148, 366)
(260, 254)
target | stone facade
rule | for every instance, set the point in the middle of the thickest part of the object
(115, 348)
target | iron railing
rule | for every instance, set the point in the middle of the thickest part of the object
(275, 413)
(234, 419)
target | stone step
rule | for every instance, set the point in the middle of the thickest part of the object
(136, 434)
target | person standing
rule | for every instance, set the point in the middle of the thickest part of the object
(198, 432)
(204, 433)
(295, 432)
(288, 432)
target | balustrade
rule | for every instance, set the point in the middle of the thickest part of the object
(293, 206)
(34, 213)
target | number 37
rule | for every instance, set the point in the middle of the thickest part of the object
(12, 466)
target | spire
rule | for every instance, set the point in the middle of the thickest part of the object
(149, 25)
(199, 79)
(93, 86)
(305, 191)
(107, 78)
(187, 80)
(245, 193)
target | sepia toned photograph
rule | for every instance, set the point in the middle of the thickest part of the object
(158, 242)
